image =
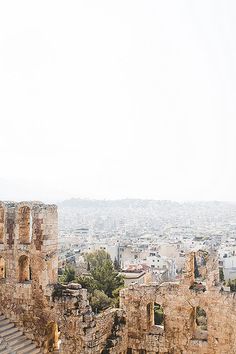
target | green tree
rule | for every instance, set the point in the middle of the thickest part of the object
(68, 275)
(99, 301)
(102, 270)
(116, 296)
(221, 274)
(158, 315)
(88, 283)
(116, 264)
(103, 281)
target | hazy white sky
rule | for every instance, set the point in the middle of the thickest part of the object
(113, 99)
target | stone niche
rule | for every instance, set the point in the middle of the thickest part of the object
(25, 224)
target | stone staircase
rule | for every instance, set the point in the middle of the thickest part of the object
(13, 341)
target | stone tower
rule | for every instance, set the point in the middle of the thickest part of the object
(28, 244)
(28, 258)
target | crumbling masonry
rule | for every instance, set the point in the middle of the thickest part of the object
(197, 317)
(51, 314)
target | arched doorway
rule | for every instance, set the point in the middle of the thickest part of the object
(52, 335)
(24, 269)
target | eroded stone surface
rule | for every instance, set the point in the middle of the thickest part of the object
(30, 295)
(54, 314)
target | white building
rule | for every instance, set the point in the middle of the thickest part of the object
(229, 268)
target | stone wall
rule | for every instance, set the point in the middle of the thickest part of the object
(80, 330)
(181, 334)
(199, 317)
(28, 246)
(52, 314)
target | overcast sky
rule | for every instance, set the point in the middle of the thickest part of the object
(115, 99)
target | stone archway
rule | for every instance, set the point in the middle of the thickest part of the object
(52, 337)
(24, 269)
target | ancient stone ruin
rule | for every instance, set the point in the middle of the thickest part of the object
(194, 315)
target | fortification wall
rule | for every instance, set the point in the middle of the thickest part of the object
(54, 314)
(28, 255)
(180, 333)
(47, 312)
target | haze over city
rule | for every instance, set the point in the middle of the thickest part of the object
(117, 182)
(118, 99)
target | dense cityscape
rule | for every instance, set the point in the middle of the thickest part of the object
(148, 239)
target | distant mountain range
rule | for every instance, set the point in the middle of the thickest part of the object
(136, 203)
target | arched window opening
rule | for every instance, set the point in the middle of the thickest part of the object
(24, 269)
(25, 224)
(200, 323)
(2, 221)
(2, 268)
(53, 337)
(158, 315)
(199, 269)
(155, 316)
